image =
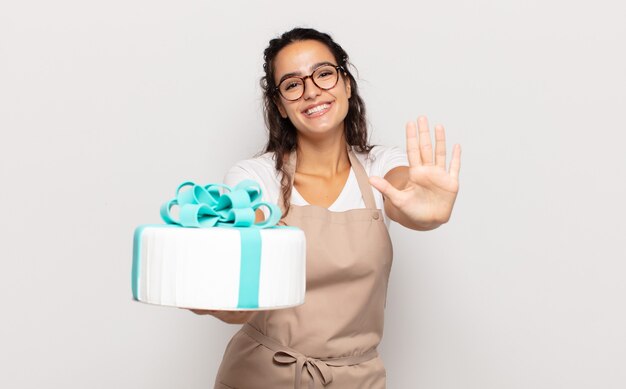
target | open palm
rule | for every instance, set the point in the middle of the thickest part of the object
(430, 190)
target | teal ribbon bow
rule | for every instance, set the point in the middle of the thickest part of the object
(204, 206)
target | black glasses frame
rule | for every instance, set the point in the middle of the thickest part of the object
(339, 69)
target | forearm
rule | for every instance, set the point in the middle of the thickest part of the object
(230, 317)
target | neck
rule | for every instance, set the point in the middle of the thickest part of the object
(322, 157)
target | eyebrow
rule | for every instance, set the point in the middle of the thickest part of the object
(313, 67)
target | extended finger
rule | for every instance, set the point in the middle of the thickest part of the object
(455, 163)
(412, 145)
(388, 190)
(440, 146)
(426, 149)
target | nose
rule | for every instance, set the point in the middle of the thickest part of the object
(310, 89)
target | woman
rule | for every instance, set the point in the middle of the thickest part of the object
(318, 166)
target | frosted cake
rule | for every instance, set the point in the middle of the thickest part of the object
(212, 255)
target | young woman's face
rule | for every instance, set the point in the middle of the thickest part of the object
(318, 111)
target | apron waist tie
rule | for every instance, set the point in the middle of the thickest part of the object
(314, 366)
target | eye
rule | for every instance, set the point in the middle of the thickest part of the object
(325, 72)
(289, 85)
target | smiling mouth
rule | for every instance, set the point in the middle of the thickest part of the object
(317, 110)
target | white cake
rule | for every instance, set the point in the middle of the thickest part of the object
(202, 268)
(213, 255)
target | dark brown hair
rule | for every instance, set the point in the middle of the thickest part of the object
(282, 133)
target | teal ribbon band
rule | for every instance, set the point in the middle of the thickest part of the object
(136, 258)
(203, 206)
(250, 271)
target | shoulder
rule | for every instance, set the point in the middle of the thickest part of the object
(381, 159)
(260, 166)
(260, 169)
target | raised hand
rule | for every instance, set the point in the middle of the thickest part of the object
(422, 195)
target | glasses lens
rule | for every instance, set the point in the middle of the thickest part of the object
(291, 88)
(325, 77)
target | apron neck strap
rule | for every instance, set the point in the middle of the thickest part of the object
(362, 179)
(359, 172)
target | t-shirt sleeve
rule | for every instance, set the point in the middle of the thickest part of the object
(236, 174)
(257, 171)
(391, 157)
(240, 172)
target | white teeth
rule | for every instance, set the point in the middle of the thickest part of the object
(317, 109)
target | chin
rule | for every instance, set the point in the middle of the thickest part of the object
(319, 132)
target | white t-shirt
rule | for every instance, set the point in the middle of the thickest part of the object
(379, 161)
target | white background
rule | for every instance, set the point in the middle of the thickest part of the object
(105, 107)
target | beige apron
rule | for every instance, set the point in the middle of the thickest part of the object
(330, 341)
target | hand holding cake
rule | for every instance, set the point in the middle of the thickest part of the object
(230, 317)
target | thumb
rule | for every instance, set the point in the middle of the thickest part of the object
(384, 187)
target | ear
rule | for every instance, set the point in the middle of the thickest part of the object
(348, 86)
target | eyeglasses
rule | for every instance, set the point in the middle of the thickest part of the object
(325, 77)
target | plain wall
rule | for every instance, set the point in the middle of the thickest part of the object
(105, 107)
